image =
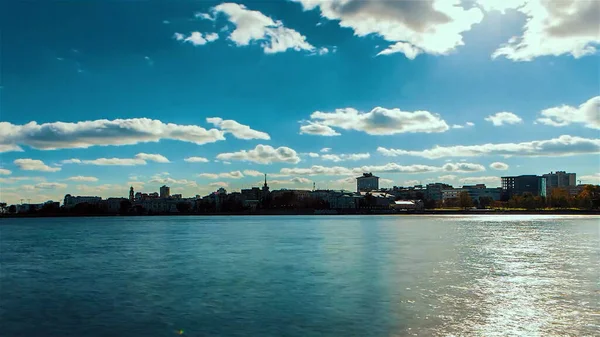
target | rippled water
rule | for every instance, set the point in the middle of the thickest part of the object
(301, 276)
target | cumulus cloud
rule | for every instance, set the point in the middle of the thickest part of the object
(196, 38)
(204, 16)
(152, 157)
(499, 166)
(447, 177)
(343, 157)
(381, 121)
(82, 178)
(413, 27)
(562, 146)
(11, 180)
(253, 26)
(219, 184)
(34, 165)
(230, 175)
(263, 154)
(196, 160)
(5, 172)
(313, 155)
(463, 167)
(459, 126)
(325, 150)
(44, 186)
(590, 178)
(253, 173)
(60, 135)
(238, 130)
(588, 114)
(166, 180)
(502, 118)
(552, 28)
(488, 180)
(318, 130)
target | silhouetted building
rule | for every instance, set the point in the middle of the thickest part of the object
(131, 194)
(165, 191)
(367, 182)
(71, 201)
(517, 185)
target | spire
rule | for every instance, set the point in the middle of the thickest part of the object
(265, 180)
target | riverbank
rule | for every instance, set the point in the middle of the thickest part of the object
(329, 213)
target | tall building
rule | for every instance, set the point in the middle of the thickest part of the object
(265, 189)
(434, 191)
(518, 185)
(131, 194)
(559, 179)
(367, 182)
(165, 191)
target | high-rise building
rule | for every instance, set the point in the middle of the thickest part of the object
(165, 191)
(559, 179)
(518, 185)
(131, 194)
(367, 182)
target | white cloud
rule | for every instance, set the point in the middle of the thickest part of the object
(590, 179)
(343, 157)
(317, 170)
(588, 114)
(34, 165)
(413, 27)
(230, 175)
(552, 28)
(381, 121)
(208, 175)
(196, 38)
(82, 178)
(152, 157)
(161, 179)
(263, 154)
(111, 162)
(562, 146)
(502, 118)
(499, 166)
(254, 26)
(447, 177)
(196, 160)
(253, 173)
(387, 182)
(313, 155)
(317, 129)
(50, 186)
(238, 130)
(458, 126)
(412, 182)
(204, 16)
(5, 172)
(219, 184)
(60, 135)
(488, 180)
(325, 150)
(463, 167)
(11, 180)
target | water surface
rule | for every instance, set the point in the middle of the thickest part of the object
(301, 276)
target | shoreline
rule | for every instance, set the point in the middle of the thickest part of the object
(312, 212)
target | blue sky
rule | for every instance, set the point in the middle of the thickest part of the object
(97, 96)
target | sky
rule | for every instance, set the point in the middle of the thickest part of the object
(98, 96)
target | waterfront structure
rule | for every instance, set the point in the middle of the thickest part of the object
(165, 191)
(407, 205)
(481, 191)
(367, 182)
(71, 201)
(517, 185)
(559, 179)
(434, 191)
(453, 193)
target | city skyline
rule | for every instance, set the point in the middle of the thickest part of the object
(199, 96)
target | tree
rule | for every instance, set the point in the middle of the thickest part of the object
(464, 200)
(559, 198)
(485, 202)
(12, 209)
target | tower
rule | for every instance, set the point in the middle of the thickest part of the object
(131, 194)
(265, 189)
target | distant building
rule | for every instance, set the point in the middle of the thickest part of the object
(367, 182)
(131, 195)
(71, 201)
(453, 193)
(406, 205)
(518, 185)
(481, 191)
(434, 191)
(165, 191)
(265, 189)
(559, 179)
(113, 205)
(253, 193)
